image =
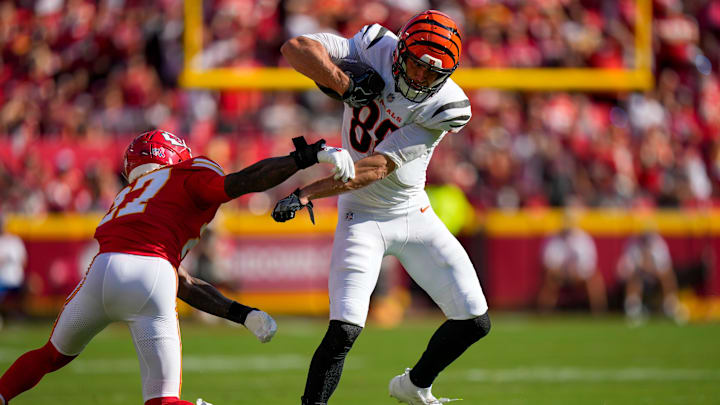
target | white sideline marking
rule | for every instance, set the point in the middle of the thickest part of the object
(565, 374)
(196, 363)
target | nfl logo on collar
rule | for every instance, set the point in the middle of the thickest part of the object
(349, 216)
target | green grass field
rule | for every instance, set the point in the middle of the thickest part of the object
(525, 360)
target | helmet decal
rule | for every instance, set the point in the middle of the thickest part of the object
(434, 62)
(157, 152)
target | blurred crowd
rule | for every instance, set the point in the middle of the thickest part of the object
(79, 78)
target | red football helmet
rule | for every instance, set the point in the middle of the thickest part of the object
(158, 147)
(432, 40)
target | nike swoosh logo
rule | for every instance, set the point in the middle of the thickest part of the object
(424, 209)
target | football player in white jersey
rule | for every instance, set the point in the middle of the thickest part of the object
(400, 103)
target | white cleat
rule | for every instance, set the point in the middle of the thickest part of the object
(201, 402)
(402, 389)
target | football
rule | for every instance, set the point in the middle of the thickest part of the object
(353, 68)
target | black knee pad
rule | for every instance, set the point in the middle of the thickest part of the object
(340, 337)
(476, 328)
(482, 325)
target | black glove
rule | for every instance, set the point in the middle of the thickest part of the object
(306, 155)
(285, 208)
(365, 84)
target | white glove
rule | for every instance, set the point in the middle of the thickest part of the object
(344, 166)
(261, 324)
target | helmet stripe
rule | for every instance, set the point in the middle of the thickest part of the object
(433, 33)
(435, 23)
(436, 46)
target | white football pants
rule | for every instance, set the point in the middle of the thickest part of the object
(137, 290)
(431, 255)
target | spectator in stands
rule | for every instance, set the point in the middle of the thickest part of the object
(13, 258)
(569, 258)
(80, 70)
(646, 267)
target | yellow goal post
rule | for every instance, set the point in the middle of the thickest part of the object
(637, 78)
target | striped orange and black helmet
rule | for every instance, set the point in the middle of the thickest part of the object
(432, 41)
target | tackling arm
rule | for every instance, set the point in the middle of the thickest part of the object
(310, 58)
(270, 172)
(261, 176)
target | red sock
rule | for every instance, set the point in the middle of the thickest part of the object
(167, 401)
(30, 368)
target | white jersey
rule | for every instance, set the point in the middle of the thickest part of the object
(13, 257)
(405, 131)
(575, 249)
(647, 253)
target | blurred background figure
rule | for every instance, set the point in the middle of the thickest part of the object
(206, 262)
(13, 258)
(391, 298)
(569, 259)
(645, 268)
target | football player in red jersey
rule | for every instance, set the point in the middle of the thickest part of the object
(152, 224)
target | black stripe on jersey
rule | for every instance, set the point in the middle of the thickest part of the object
(378, 37)
(432, 22)
(457, 125)
(458, 118)
(435, 33)
(433, 45)
(365, 31)
(454, 104)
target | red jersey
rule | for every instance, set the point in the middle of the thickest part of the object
(164, 212)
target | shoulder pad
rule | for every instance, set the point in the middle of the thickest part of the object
(202, 162)
(370, 35)
(449, 110)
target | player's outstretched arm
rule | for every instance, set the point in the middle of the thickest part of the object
(270, 172)
(205, 297)
(260, 176)
(310, 58)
